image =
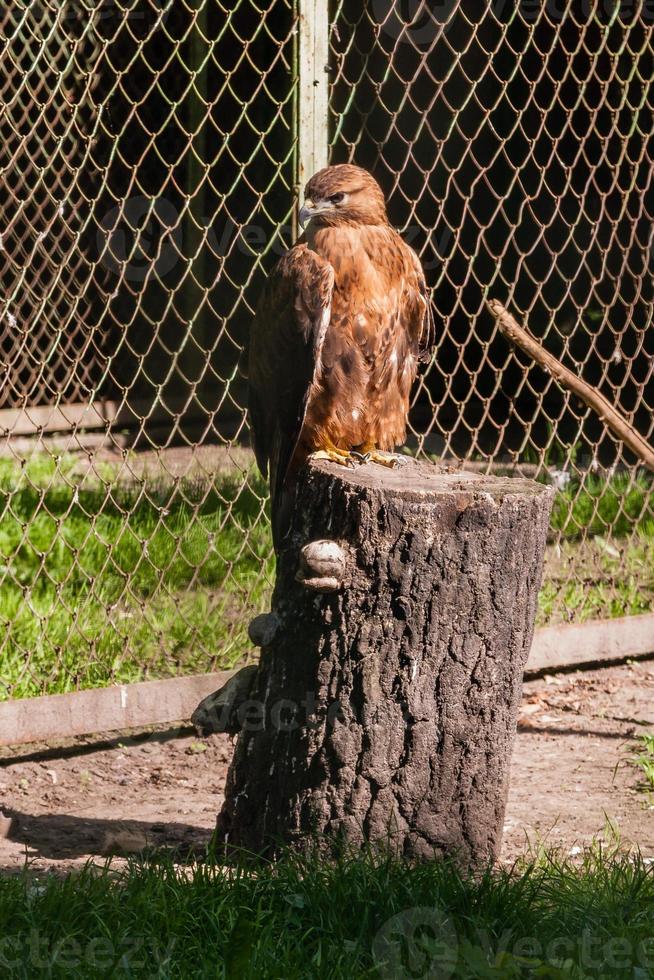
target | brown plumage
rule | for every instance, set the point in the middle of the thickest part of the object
(341, 325)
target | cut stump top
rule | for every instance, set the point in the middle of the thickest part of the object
(421, 481)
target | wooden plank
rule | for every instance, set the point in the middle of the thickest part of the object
(313, 101)
(600, 640)
(171, 701)
(52, 418)
(105, 709)
(96, 415)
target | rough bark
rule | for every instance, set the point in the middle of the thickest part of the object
(384, 709)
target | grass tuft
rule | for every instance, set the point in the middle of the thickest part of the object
(644, 761)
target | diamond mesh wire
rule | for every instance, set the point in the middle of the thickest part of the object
(148, 151)
(516, 143)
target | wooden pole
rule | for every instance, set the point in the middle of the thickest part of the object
(384, 707)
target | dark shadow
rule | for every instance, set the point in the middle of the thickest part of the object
(84, 747)
(60, 837)
(586, 665)
(529, 728)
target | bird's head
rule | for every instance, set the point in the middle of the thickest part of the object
(343, 194)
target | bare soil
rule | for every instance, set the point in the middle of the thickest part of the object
(571, 776)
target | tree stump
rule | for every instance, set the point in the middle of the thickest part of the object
(385, 705)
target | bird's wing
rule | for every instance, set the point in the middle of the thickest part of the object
(285, 343)
(421, 327)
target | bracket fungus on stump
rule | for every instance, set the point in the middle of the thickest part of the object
(384, 708)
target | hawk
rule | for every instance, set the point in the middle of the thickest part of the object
(341, 326)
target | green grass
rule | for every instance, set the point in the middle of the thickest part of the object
(617, 506)
(602, 565)
(305, 918)
(644, 761)
(601, 578)
(103, 580)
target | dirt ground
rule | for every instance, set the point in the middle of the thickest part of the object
(570, 776)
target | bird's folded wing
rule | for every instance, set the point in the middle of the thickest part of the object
(423, 329)
(286, 339)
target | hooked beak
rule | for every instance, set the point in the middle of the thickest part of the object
(307, 212)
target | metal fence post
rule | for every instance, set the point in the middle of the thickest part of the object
(313, 100)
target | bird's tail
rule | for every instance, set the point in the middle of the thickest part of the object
(285, 463)
(281, 513)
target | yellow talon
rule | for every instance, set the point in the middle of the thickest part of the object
(334, 454)
(368, 453)
(384, 459)
(374, 455)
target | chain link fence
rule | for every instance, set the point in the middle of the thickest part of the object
(150, 151)
(515, 141)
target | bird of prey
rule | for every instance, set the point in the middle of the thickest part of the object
(341, 325)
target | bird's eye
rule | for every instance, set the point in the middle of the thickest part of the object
(337, 198)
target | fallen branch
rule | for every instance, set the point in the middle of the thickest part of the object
(611, 417)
